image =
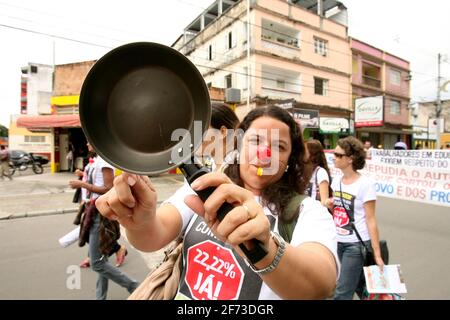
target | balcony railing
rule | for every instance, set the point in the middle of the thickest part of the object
(372, 82)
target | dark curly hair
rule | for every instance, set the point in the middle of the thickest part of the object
(355, 149)
(295, 180)
(222, 115)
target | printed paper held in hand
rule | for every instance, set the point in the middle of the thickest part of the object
(388, 281)
(70, 238)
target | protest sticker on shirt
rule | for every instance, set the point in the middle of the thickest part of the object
(213, 272)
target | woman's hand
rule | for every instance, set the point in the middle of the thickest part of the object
(379, 261)
(132, 201)
(245, 222)
(75, 184)
(329, 203)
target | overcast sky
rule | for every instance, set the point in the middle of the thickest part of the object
(414, 30)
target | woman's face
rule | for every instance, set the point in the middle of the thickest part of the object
(341, 160)
(265, 152)
(215, 143)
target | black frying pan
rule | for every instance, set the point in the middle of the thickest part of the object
(134, 98)
(132, 101)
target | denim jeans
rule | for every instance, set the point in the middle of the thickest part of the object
(100, 264)
(351, 279)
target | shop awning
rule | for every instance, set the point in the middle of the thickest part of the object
(50, 121)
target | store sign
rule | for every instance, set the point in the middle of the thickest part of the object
(306, 118)
(333, 125)
(369, 112)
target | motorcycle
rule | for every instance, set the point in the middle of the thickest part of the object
(24, 162)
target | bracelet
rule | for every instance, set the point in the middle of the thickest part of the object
(280, 251)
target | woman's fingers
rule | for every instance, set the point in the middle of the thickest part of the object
(122, 186)
(212, 179)
(195, 204)
(228, 192)
(256, 228)
(132, 189)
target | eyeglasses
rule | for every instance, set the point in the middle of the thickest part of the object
(339, 155)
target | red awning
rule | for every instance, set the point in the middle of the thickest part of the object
(50, 121)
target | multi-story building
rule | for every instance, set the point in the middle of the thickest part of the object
(423, 119)
(61, 119)
(36, 90)
(292, 53)
(384, 78)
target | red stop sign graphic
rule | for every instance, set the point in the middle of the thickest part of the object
(340, 217)
(213, 272)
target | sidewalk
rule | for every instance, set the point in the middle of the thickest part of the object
(49, 193)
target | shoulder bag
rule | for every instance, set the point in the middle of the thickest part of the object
(369, 258)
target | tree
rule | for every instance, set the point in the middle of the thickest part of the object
(3, 131)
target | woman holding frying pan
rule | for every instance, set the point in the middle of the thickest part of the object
(269, 172)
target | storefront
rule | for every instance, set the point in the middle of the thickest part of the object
(65, 133)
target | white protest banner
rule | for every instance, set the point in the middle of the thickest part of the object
(415, 175)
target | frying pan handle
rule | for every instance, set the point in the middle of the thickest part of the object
(194, 171)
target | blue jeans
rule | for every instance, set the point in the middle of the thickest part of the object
(351, 279)
(101, 265)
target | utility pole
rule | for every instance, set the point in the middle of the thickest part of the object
(438, 105)
(248, 57)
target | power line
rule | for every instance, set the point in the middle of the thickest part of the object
(64, 18)
(55, 36)
(280, 33)
(51, 26)
(265, 78)
(273, 73)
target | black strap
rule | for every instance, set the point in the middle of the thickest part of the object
(292, 210)
(352, 220)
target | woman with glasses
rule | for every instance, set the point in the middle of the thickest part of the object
(354, 207)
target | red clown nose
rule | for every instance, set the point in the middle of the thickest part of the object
(263, 153)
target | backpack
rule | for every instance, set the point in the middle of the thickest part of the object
(285, 229)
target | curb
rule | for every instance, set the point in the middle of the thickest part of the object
(38, 214)
(43, 213)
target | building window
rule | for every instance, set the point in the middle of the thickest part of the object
(320, 46)
(395, 107)
(34, 69)
(281, 84)
(210, 52)
(228, 81)
(230, 41)
(35, 139)
(320, 86)
(395, 77)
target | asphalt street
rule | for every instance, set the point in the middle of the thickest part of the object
(33, 265)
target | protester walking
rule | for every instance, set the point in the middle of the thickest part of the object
(319, 188)
(83, 198)
(102, 234)
(353, 207)
(4, 163)
(261, 185)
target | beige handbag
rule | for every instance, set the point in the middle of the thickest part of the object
(162, 282)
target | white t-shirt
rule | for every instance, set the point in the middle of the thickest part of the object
(319, 175)
(354, 196)
(212, 270)
(97, 174)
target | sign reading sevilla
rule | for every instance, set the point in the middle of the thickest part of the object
(213, 273)
(369, 112)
